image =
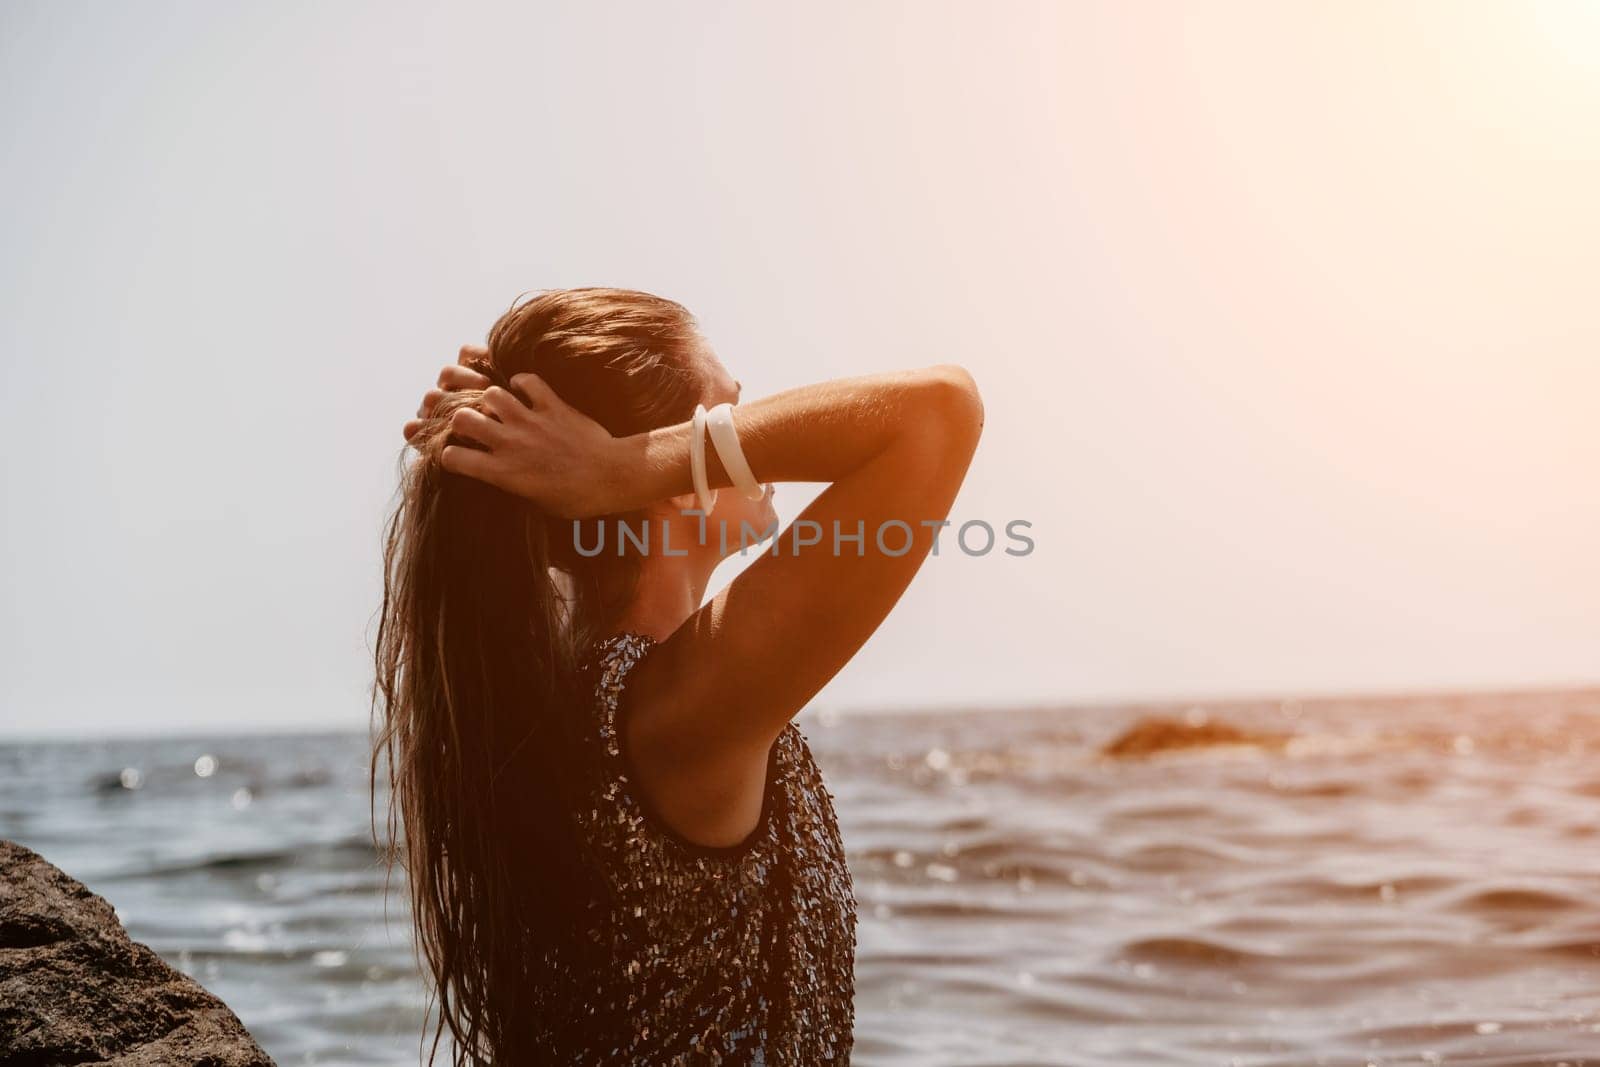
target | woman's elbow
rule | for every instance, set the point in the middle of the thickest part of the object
(957, 403)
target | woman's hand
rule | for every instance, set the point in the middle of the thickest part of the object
(535, 444)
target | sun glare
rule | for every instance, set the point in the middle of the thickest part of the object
(1572, 28)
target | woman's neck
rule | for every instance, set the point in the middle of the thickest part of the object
(670, 590)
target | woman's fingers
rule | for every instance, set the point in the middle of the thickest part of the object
(452, 377)
(533, 388)
(459, 459)
(474, 424)
(456, 377)
(467, 421)
(503, 404)
(430, 400)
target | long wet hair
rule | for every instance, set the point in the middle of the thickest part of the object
(488, 610)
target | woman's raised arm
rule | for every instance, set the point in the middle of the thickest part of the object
(894, 446)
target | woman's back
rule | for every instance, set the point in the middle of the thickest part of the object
(700, 954)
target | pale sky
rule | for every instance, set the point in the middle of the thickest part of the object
(1284, 317)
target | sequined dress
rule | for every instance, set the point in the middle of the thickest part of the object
(742, 954)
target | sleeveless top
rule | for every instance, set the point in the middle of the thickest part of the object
(741, 954)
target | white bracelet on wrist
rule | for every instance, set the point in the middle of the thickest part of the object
(725, 437)
(703, 492)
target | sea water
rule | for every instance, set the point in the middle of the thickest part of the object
(1409, 880)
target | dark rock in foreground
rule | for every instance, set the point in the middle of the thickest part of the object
(75, 989)
(1152, 735)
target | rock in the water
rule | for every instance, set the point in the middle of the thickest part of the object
(75, 989)
(1148, 736)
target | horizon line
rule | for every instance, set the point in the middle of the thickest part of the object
(1146, 704)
